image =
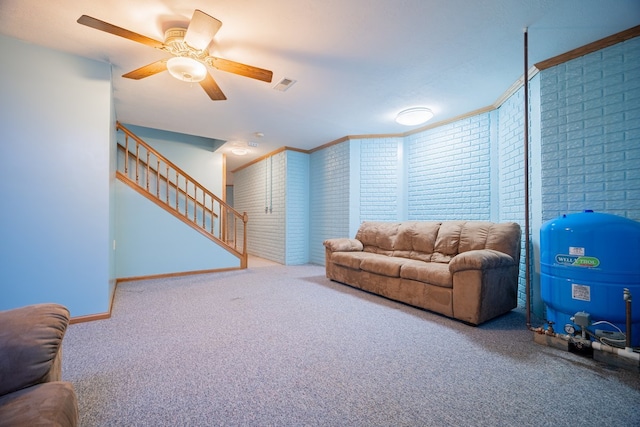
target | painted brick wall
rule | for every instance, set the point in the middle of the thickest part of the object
(449, 171)
(329, 192)
(511, 158)
(510, 173)
(297, 212)
(590, 124)
(380, 186)
(259, 190)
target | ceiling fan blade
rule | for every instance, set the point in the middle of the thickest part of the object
(147, 70)
(201, 30)
(241, 69)
(213, 90)
(118, 31)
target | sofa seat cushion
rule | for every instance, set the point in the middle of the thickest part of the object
(383, 265)
(350, 259)
(433, 273)
(47, 404)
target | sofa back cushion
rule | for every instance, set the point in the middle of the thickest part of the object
(415, 239)
(473, 235)
(448, 241)
(378, 237)
(30, 340)
(505, 237)
(433, 241)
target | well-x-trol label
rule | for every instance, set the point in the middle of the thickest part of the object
(577, 260)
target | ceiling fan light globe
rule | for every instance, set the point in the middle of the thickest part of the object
(414, 116)
(186, 69)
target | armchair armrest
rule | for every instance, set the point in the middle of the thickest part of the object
(30, 343)
(343, 245)
(482, 259)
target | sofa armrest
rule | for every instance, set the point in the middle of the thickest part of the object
(343, 245)
(485, 285)
(30, 344)
(482, 259)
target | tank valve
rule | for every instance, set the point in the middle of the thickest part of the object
(550, 330)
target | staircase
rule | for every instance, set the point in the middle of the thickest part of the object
(153, 176)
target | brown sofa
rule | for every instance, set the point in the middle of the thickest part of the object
(31, 390)
(467, 270)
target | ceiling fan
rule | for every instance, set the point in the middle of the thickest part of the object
(190, 56)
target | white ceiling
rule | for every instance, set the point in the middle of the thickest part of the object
(356, 62)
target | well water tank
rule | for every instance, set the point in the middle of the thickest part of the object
(587, 260)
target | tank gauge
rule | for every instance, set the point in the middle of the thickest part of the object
(569, 329)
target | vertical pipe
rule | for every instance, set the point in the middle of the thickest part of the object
(527, 269)
(627, 299)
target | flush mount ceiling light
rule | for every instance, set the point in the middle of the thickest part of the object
(240, 151)
(414, 116)
(187, 69)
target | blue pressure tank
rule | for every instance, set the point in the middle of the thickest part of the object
(587, 260)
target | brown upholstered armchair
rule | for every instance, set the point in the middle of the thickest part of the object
(31, 390)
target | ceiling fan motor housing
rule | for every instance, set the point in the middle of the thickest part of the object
(173, 35)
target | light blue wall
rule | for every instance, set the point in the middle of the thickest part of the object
(330, 184)
(509, 175)
(381, 179)
(260, 191)
(151, 241)
(297, 208)
(274, 192)
(55, 179)
(449, 171)
(590, 109)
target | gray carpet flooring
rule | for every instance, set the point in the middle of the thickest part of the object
(283, 346)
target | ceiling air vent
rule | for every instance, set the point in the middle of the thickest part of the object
(284, 84)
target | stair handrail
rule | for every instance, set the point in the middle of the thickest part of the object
(197, 186)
